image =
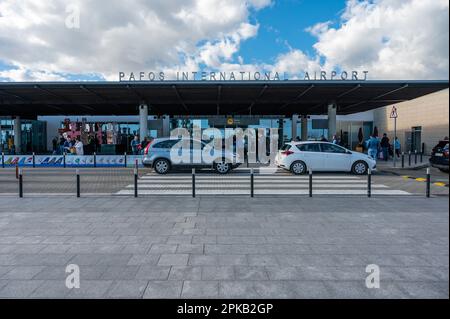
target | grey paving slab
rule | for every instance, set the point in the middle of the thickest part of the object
(237, 289)
(51, 289)
(120, 272)
(200, 289)
(22, 272)
(217, 273)
(163, 289)
(19, 288)
(185, 273)
(90, 289)
(146, 259)
(153, 272)
(250, 273)
(127, 289)
(173, 260)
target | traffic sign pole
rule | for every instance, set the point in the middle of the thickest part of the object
(395, 137)
(394, 116)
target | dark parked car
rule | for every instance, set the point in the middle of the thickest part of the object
(439, 156)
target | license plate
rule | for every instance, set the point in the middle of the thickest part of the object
(438, 154)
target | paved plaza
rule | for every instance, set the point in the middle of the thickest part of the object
(224, 246)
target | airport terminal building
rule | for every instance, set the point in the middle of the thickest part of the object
(33, 114)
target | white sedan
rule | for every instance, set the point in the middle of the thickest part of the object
(300, 157)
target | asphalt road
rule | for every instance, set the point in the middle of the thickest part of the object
(115, 181)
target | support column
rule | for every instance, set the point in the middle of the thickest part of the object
(294, 126)
(17, 134)
(166, 126)
(304, 127)
(332, 108)
(143, 121)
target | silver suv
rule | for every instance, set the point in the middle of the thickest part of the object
(159, 154)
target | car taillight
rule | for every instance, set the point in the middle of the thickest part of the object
(446, 153)
(287, 153)
(147, 148)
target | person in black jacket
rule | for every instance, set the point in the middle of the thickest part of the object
(385, 146)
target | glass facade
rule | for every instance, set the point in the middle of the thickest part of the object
(33, 137)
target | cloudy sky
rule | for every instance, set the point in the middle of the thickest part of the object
(95, 39)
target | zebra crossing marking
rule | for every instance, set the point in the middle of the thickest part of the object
(270, 184)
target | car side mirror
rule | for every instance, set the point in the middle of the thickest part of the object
(348, 152)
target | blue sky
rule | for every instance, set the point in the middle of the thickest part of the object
(83, 40)
(283, 24)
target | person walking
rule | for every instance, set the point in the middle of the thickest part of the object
(385, 147)
(397, 146)
(135, 145)
(372, 145)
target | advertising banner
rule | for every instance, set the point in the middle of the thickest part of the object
(70, 160)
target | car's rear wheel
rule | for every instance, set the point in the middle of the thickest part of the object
(222, 167)
(298, 168)
(360, 168)
(161, 166)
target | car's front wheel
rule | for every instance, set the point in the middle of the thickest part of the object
(161, 166)
(222, 167)
(298, 168)
(360, 168)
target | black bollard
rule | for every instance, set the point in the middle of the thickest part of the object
(3, 159)
(251, 183)
(193, 182)
(369, 183)
(64, 159)
(135, 183)
(34, 160)
(20, 183)
(95, 159)
(310, 183)
(78, 182)
(409, 159)
(415, 157)
(428, 182)
(125, 159)
(403, 159)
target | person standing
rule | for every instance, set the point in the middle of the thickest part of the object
(55, 145)
(79, 146)
(67, 145)
(335, 139)
(397, 146)
(385, 147)
(372, 145)
(144, 143)
(135, 145)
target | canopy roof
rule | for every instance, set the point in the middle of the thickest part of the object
(206, 97)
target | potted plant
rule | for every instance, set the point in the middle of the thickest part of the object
(360, 146)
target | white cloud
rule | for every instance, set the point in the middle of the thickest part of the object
(131, 35)
(392, 39)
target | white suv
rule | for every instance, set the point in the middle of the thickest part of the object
(299, 157)
(159, 154)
